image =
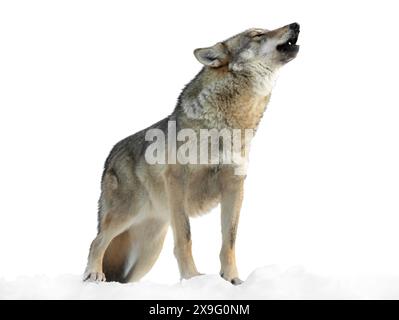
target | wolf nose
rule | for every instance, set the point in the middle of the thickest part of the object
(294, 27)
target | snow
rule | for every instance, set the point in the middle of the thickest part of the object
(271, 282)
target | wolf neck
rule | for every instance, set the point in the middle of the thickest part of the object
(225, 99)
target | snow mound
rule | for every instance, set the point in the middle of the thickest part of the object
(269, 282)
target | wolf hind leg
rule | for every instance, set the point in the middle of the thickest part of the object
(112, 224)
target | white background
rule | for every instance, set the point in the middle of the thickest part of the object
(323, 184)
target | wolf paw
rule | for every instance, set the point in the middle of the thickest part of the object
(191, 275)
(235, 281)
(94, 277)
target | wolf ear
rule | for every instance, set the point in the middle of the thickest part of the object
(214, 56)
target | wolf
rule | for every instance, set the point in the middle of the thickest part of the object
(139, 200)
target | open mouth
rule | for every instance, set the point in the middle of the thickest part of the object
(290, 45)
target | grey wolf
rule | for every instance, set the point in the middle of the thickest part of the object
(139, 201)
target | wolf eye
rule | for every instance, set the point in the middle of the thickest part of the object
(257, 36)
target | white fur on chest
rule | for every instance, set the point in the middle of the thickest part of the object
(263, 78)
(264, 84)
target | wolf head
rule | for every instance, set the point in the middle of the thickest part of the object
(251, 47)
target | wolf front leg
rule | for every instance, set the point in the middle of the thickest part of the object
(231, 201)
(180, 223)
